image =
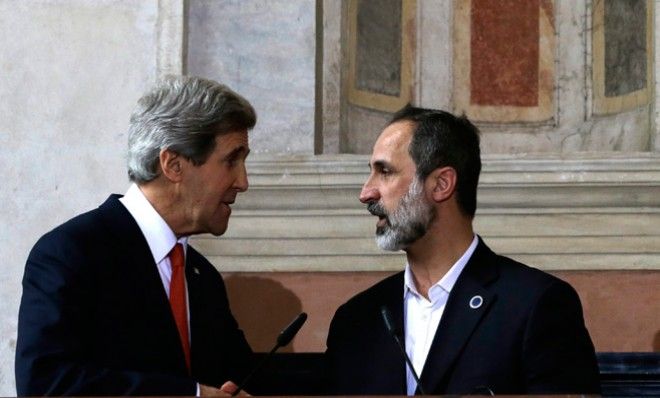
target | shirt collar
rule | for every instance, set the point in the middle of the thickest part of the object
(447, 282)
(160, 237)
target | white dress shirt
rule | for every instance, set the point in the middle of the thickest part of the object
(422, 316)
(159, 236)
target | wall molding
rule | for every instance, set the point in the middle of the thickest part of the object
(301, 213)
(171, 38)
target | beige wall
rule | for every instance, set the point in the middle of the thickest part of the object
(621, 307)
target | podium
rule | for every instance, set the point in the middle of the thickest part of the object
(622, 374)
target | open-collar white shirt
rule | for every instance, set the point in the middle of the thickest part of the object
(422, 316)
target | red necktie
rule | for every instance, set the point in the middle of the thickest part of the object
(178, 298)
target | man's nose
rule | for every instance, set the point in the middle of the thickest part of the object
(369, 194)
(241, 183)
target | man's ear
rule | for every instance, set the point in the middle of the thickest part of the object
(441, 183)
(171, 165)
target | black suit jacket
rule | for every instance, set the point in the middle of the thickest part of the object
(528, 337)
(94, 318)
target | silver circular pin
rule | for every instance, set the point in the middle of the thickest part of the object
(476, 301)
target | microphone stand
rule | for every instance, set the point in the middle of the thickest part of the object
(394, 332)
(283, 339)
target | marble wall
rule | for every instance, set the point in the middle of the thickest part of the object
(71, 73)
(263, 49)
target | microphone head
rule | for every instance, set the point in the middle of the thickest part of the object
(290, 331)
(389, 323)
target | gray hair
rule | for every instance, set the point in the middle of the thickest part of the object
(183, 114)
(442, 139)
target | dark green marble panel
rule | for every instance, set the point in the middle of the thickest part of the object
(625, 46)
(378, 52)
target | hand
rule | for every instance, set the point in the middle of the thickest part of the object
(208, 391)
(226, 390)
(230, 387)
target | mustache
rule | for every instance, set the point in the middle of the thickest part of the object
(377, 209)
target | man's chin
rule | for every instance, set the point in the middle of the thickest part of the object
(217, 230)
(387, 242)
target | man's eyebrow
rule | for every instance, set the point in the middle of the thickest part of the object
(240, 150)
(380, 165)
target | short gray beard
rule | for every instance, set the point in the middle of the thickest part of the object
(409, 221)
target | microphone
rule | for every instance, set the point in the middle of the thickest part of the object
(283, 339)
(290, 331)
(396, 334)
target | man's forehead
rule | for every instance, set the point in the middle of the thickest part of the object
(393, 141)
(402, 129)
(235, 136)
(232, 141)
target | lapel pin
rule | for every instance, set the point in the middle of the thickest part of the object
(196, 270)
(476, 301)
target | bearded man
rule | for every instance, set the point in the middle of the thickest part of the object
(472, 322)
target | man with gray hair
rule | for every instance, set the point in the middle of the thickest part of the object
(115, 301)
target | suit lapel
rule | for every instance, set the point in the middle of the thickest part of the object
(131, 245)
(130, 242)
(195, 302)
(459, 318)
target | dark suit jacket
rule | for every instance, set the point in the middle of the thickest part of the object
(528, 337)
(94, 318)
